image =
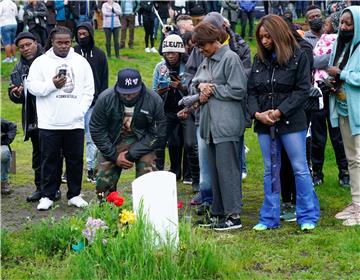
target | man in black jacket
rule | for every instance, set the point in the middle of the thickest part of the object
(29, 50)
(127, 126)
(84, 36)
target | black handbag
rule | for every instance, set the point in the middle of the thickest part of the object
(312, 103)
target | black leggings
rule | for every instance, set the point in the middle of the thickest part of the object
(149, 31)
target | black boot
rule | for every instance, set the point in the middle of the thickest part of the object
(35, 196)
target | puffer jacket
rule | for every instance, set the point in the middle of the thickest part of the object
(273, 86)
(148, 124)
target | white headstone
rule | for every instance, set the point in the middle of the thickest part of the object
(157, 192)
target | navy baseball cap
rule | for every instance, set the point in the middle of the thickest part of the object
(128, 81)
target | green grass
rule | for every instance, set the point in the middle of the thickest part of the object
(42, 251)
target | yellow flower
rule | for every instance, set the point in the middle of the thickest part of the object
(127, 217)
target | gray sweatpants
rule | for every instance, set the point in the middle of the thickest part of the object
(224, 167)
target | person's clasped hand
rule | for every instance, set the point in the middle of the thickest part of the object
(268, 117)
(333, 71)
(123, 162)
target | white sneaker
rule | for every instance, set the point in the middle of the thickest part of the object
(147, 50)
(243, 175)
(77, 201)
(153, 50)
(45, 204)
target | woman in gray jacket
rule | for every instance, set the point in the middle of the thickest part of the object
(221, 82)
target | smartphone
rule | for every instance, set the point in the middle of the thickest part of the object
(62, 72)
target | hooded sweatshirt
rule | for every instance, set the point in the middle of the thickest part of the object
(350, 74)
(61, 108)
(96, 58)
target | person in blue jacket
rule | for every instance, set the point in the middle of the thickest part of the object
(345, 103)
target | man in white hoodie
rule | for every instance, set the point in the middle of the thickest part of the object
(63, 84)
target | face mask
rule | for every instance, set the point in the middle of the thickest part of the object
(316, 24)
(346, 36)
(84, 42)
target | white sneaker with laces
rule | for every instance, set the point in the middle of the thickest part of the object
(77, 201)
(153, 50)
(45, 204)
(147, 50)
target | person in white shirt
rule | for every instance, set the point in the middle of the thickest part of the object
(8, 26)
(63, 84)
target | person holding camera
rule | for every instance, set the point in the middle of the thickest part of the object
(169, 84)
(29, 51)
(63, 84)
(35, 14)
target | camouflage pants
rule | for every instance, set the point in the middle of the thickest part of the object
(109, 173)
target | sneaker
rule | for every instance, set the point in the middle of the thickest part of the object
(243, 175)
(64, 179)
(147, 50)
(288, 213)
(344, 181)
(13, 59)
(307, 226)
(353, 220)
(196, 200)
(228, 224)
(77, 201)
(348, 212)
(45, 204)
(91, 176)
(153, 50)
(318, 179)
(260, 227)
(7, 60)
(187, 181)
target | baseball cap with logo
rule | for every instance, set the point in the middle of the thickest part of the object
(128, 81)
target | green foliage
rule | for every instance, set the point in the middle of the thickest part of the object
(5, 243)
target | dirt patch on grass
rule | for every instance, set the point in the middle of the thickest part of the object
(16, 213)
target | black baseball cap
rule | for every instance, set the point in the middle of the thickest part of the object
(128, 81)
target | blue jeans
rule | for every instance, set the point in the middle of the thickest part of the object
(205, 176)
(8, 34)
(5, 163)
(90, 146)
(307, 204)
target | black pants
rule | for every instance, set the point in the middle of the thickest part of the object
(149, 31)
(115, 32)
(36, 157)
(40, 34)
(71, 143)
(190, 143)
(320, 123)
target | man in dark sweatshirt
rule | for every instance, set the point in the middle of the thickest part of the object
(84, 36)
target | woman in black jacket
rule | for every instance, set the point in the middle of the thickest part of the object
(278, 87)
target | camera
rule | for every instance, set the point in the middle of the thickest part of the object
(16, 78)
(62, 72)
(173, 75)
(168, 28)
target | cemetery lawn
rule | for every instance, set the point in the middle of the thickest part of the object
(38, 245)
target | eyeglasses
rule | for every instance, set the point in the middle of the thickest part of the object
(26, 45)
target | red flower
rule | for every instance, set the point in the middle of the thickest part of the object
(119, 201)
(179, 204)
(111, 197)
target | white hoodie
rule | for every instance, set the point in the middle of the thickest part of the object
(61, 108)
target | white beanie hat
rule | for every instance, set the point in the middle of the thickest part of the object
(173, 43)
